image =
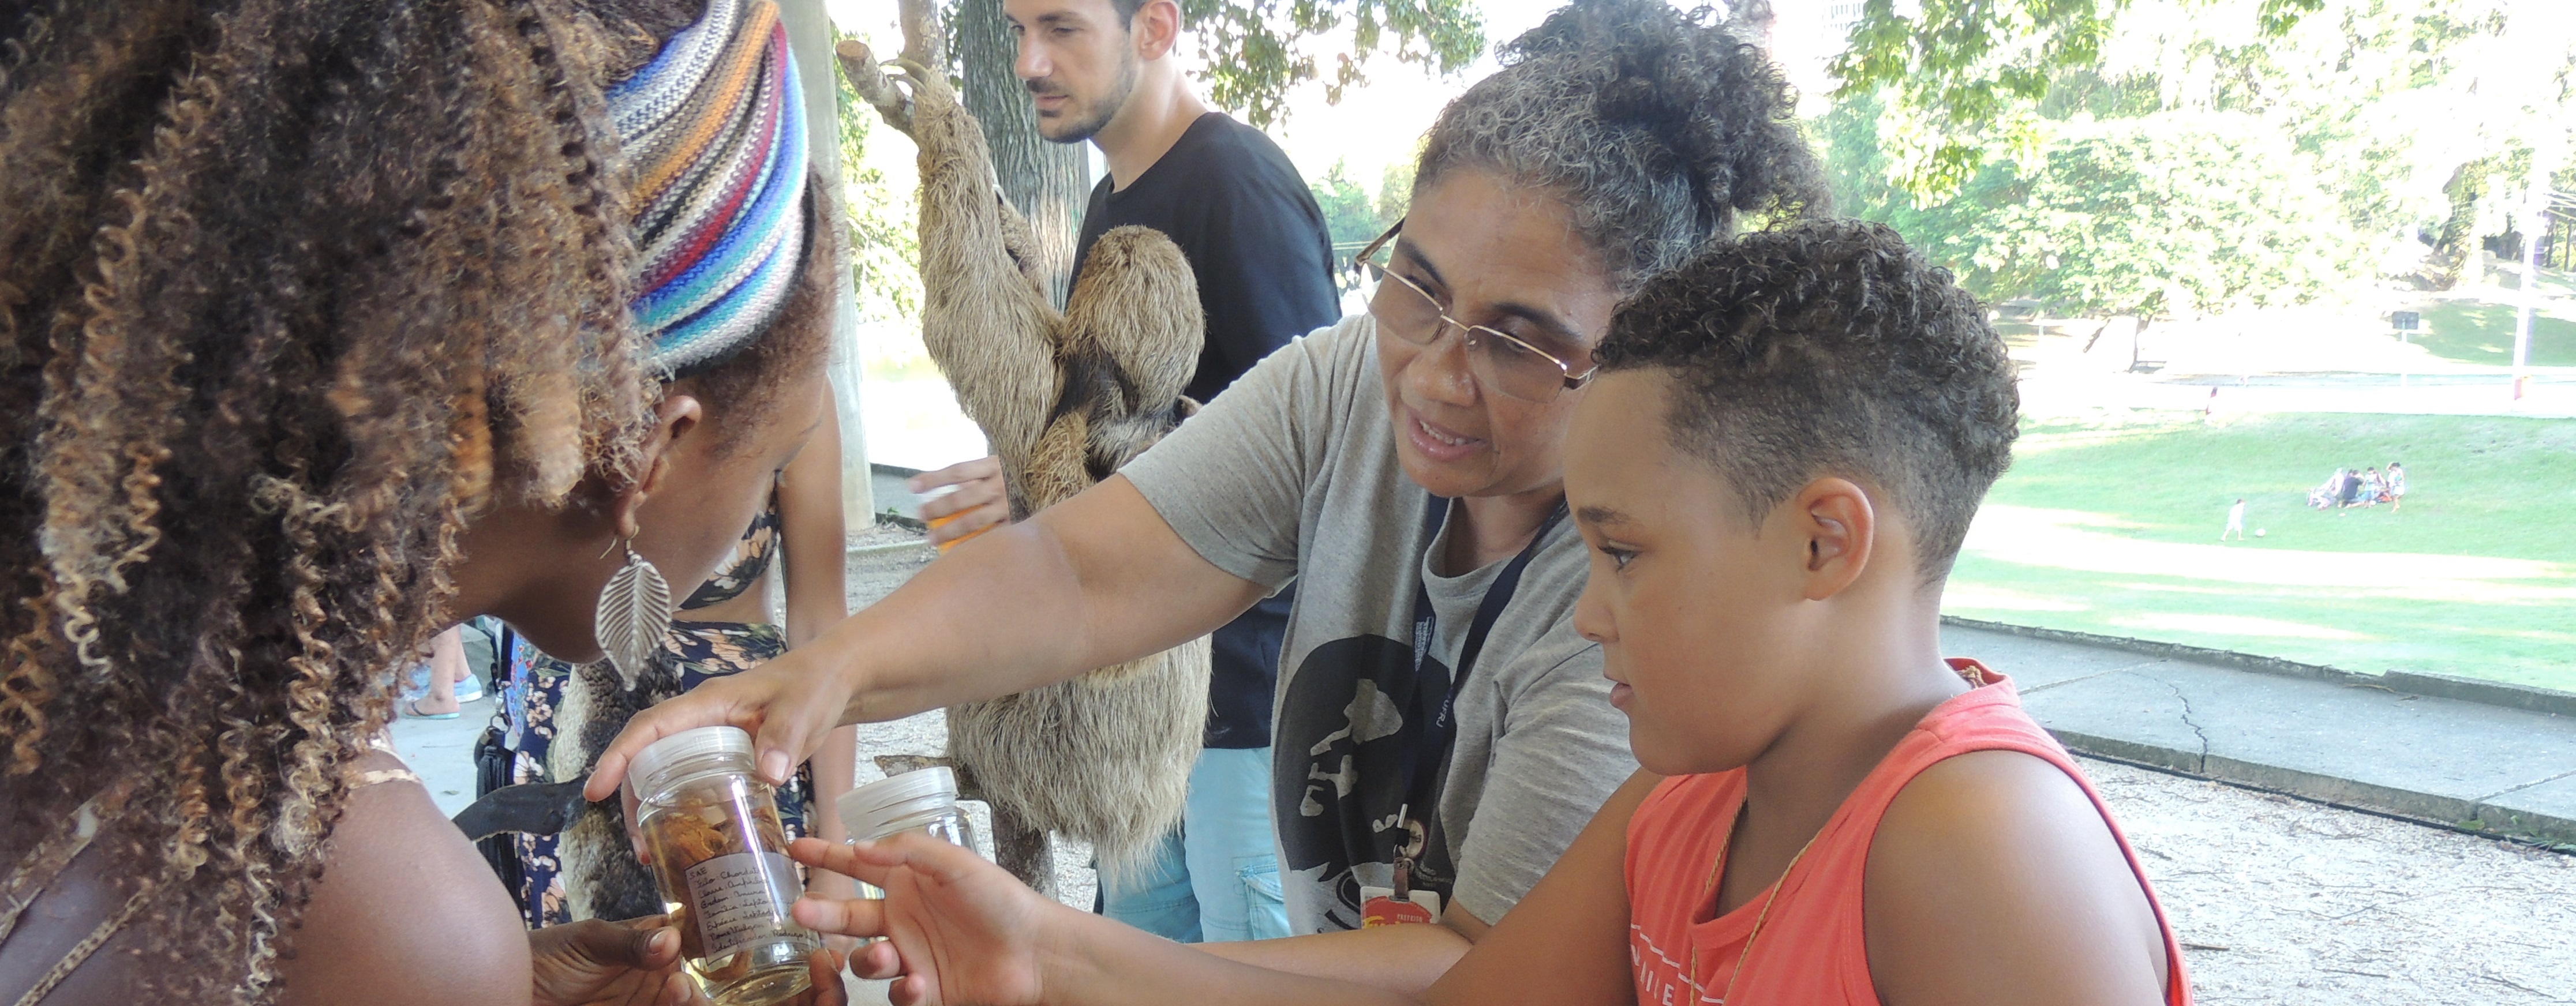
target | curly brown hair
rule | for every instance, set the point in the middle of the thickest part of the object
(1830, 349)
(289, 290)
(1660, 128)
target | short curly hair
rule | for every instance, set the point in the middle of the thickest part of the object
(1659, 128)
(1830, 349)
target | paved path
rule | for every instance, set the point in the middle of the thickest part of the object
(442, 751)
(2359, 744)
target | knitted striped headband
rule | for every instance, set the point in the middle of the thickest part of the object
(714, 140)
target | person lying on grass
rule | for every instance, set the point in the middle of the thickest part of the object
(1790, 437)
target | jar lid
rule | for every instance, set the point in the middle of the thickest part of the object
(868, 809)
(651, 766)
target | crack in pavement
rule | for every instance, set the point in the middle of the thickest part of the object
(2107, 672)
(2510, 790)
(2203, 764)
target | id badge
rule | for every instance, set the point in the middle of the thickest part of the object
(1380, 907)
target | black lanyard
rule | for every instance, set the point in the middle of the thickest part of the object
(1436, 702)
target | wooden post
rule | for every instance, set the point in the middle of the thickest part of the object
(810, 36)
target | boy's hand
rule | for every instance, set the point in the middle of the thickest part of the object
(958, 929)
(981, 499)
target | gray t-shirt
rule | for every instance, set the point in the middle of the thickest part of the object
(1292, 473)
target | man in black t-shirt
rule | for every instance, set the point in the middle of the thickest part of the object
(1102, 70)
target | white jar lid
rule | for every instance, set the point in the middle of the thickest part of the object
(651, 766)
(868, 809)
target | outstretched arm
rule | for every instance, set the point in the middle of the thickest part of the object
(959, 929)
(1405, 959)
(1097, 580)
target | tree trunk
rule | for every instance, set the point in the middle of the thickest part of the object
(1049, 183)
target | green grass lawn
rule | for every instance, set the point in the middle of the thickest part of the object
(2482, 332)
(2113, 528)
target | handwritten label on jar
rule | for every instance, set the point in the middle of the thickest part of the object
(742, 900)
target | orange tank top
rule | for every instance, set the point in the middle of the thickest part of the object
(1812, 949)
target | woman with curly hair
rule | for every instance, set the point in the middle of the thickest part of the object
(325, 324)
(1442, 731)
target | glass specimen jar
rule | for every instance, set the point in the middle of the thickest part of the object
(923, 800)
(720, 860)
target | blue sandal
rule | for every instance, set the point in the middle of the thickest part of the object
(416, 686)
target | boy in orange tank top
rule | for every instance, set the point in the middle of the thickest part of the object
(1775, 472)
(1809, 421)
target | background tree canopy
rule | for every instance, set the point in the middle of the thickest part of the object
(1962, 74)
(1255, 50)
(2187, 211)
(1351, 214)
(2195, 156)
(885, 251)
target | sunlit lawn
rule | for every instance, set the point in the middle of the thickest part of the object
(2482, 332)
(2113, 528)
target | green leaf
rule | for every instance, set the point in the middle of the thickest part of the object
(1963, 67)
(1258, 49)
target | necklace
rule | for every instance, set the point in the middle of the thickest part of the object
(1717, 873)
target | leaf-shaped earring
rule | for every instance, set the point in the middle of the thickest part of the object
(634, 614)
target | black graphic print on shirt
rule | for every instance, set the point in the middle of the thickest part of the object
(1340, 765)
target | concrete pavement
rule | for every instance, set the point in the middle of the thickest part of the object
(2445, 750)
(442, 752)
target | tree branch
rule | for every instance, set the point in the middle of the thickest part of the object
(925, 40)
(859, 67)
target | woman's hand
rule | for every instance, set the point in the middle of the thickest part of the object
(636, 963)
(631, 963)
(958, 929)
(789, 705)
(981, 499)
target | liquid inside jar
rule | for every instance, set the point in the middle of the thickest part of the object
(719, 856)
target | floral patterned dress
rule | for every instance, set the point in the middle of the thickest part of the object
(700, 650)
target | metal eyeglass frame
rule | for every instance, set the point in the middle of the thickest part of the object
(1573, 381)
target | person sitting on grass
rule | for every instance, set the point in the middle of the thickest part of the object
(1791, 436)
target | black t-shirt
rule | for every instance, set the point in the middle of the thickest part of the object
(1256, 241)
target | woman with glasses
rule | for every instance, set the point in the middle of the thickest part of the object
(1442, 733)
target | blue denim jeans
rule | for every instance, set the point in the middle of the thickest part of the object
(1216, 878)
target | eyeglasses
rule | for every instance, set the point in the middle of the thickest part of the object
(1497, 359)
